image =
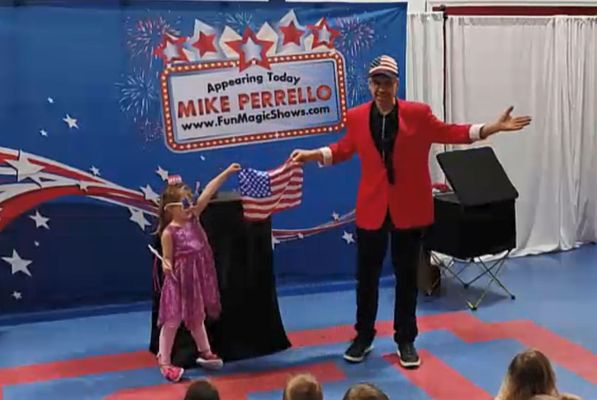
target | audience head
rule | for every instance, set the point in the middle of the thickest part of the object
(530, 374)
(202, 390)
(364, 391)
(303, 387)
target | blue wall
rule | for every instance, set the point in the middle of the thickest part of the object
(87, 62)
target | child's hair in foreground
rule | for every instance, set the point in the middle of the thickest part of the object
(530, 374)
(364, 391)
(303, 387)
(202, 390)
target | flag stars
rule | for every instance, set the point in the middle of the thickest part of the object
(24, 168)
(162, 173)
(348, 237)
(71, 122)
(40, 220)
(18, 264)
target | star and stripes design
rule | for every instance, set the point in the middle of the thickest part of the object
(250, 48)
(384, 65)
(28, 181)
(267, 192)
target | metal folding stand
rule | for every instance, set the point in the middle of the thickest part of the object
(475, 221)
(492, 269)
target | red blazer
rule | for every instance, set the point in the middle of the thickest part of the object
(409, 200)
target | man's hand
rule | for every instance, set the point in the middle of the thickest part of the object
(505, 122)
(303, 156)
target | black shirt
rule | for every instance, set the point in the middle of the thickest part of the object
(384, 130)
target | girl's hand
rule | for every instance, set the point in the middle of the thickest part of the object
(232, 168)
(166, 266)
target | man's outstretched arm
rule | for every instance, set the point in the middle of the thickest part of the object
(441, 132)
(340, 151)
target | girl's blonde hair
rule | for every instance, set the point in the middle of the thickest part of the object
(530, 374)
(172, 193)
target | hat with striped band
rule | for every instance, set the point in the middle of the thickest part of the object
(384, 65)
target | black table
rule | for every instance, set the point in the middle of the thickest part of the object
(250, 324)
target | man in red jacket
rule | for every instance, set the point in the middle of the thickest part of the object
(392, 138)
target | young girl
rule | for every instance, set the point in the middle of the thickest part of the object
(190, 290)
(531, 377)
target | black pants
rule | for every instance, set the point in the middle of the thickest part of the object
(372, 247)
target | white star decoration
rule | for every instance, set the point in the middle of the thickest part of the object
(40, 220)
(162, 173)
(301, 236)
(335, 216)
(150, 194)
(43, 132)
(252, 50)
(348, 237)
(24, 168)
(228, 35)
(138, 217)
(84, 186)
(17, 295)
(325, 35)
(17, 263)
(36, 243)
(171, 50)
(70, 121)
(94, 170)
(266, 32)
(50, 100)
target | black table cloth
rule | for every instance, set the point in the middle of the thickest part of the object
(250, 324)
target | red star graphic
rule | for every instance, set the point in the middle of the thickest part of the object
(173, 41)
(205, 43)
(237, 46)
(316, 29)
(291, 34)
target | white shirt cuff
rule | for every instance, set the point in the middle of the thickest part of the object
(475, 132)
(327, 156)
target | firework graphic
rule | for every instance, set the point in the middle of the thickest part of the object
(355, 37)
(144, 35)
(356, 79)
(138, 94)
(150, 129)
(237, 20)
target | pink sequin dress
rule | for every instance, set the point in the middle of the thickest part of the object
(190, 292)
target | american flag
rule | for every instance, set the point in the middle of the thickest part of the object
(266, 192)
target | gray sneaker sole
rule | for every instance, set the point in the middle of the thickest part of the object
(358, 359)
(408, 364)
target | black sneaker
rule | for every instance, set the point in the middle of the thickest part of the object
(408, 355)
(358, 350)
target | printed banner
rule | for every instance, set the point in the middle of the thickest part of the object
(215, 104)
(88, 142)
(280, 81)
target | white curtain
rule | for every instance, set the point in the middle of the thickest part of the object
(545, 67)
(425, 70)
(582, 56)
